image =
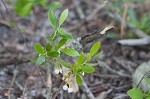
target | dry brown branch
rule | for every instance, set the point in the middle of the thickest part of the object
(94, 36)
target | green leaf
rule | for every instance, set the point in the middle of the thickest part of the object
(23, 7)
(88, 57)
(54, 5)
(135, 93)
(33, 59)
(67, 36)
(148, 97)
(63, 34)
(132, 14)
(52, 18)
(61, 31)
(61, 43)
(41, 2)
(73, 67)
(49, 38)
(90, 64)
(80, 58)
(95, 48)
(147, 80)
(26, 9)
(54, 35)
(53, 54)
(70, 52)
(78, 79)
(88, 69)
(38, 48)
(100, 53)
(41, 59)
(63, 63)
(48, 47)
(63, 16)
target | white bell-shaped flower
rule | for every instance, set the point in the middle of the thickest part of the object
(83, 73)
(70, 90)
(63, 78)
(65, 87)
(57, 71)
(60, 70)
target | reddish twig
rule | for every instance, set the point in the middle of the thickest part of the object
(123, 20)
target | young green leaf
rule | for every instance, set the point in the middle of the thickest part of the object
(52, 18)
(23, 7)
(80, 58)
(33, 59)
(54, 5)
(135, 93)
(61, 43)
(78, 79)
(148, 97)
(61, 31)
(95, 48)
(67, 36)
(88, 69)
(90, 64)
(63, 16)
(70, 51)
(26, 9)
(41, 2)
(63, 63)
(49, 38)
(63, 34)
(41, 59)
(100, 53)
(48, 47)
(38, 48)
(88, 57)
(54, 35)
(53, 54)
(73, 67)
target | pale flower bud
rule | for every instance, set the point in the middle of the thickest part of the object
(56, 71)
(63, 78)
(65, 87)
(82, 73)
(70, 90)
(60, 70)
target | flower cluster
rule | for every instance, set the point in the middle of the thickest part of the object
(58, 70)
(68, 87)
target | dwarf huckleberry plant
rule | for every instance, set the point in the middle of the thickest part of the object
(52, 51)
